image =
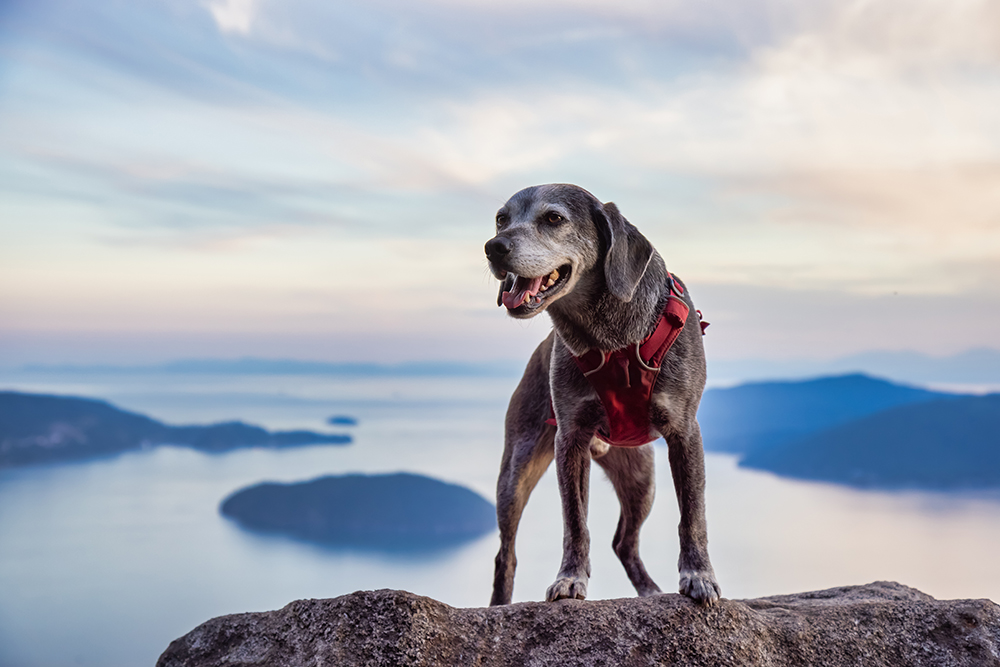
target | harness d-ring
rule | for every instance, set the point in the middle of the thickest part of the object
(642, 362)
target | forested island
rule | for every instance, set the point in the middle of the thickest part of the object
(39, 428)
(390, 512)
(950, 444)
(859, 431)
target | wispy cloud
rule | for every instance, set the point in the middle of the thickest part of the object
(233, 15)
(300, 149)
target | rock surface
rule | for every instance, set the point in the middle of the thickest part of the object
(881, 624)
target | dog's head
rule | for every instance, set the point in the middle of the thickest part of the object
(551, 238)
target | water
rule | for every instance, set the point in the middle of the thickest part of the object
(105, 562)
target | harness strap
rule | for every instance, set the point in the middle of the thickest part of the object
(671, 323)
(657, 344)
(624, 378)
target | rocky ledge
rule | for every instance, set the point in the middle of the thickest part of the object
(883, 623)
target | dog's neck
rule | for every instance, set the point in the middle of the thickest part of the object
(602, 321)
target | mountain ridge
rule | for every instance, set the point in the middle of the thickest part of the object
(765, 414)
(949, 444)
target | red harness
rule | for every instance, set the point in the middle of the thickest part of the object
(624, 378)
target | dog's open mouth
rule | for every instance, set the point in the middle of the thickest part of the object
(530, 293)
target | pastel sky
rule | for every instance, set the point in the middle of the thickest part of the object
(315, 180)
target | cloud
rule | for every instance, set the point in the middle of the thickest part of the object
(771, 321)
(192, 148)
(236, 16)
(903, 35)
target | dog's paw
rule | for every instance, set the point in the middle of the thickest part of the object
(700, 586)
(648, 590)
(567, 588)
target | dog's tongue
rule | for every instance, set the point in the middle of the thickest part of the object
(522, 286)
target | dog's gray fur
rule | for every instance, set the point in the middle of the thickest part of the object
(613, 296)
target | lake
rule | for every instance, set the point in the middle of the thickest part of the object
(105, 562)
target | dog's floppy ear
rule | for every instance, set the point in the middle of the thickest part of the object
(628, 251)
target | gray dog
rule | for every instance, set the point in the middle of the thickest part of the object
(624, 365)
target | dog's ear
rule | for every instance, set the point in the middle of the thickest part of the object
(628, 251)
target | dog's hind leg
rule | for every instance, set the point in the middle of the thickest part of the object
(631, 472)
(528, 451)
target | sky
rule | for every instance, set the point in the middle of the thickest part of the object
(302, 179)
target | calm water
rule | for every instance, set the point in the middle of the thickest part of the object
(105, 562)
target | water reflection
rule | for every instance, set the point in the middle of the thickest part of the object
(105, 562)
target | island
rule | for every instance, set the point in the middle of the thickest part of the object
(859, 431)
(342, 420)
(947, 445)
(40, 428)
(758, 415)
(385, 512)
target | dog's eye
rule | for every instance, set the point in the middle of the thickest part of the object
(554, 218)
(501, 219)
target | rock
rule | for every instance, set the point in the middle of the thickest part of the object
(881, 624)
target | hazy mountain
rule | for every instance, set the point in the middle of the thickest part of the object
(255, 366)
(977, 366)
(946, 444)
(766, 414)
(388, 512)
(36, 428)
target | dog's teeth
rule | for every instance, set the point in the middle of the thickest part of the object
(550, 283)
(554, 276)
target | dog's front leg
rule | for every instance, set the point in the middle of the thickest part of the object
(687, 465)
(572, 455)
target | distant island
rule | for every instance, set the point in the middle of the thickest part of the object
(859, 431)
(758, 415)
(38, 428)
(342, 420)
(392, 512)
(949, 444)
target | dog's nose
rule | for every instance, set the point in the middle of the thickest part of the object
(497, 247)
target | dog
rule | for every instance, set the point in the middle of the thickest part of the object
(558, 249)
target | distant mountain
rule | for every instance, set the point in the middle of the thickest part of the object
(767, 414)
(396, 512)
(974, 367)
(978, 366)
(36, 428)
(254, 366)
(946, 444)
